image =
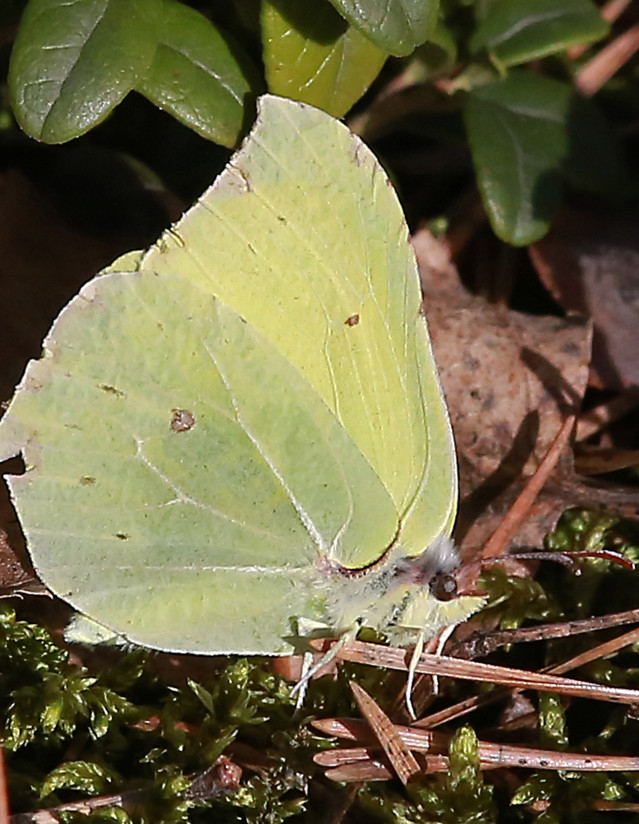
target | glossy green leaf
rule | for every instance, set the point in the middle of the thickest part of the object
(215, 436)
(72, 63)
(85, 776)
(439, 54)
(397, 26)
(198, 76)
(316, 58)
(540, 787)
(516, 31)
(552, 721)
(518, 132)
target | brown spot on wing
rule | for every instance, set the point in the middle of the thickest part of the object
(182, 420)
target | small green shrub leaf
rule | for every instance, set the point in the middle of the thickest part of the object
(318, 59)
(516, 31)
(73, 62)
(438, 55)
(199, 76)
(397, 26)
(518, 132)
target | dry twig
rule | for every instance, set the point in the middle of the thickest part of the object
(388, 735)
(435, 746)
(607, 62)
(444, 666)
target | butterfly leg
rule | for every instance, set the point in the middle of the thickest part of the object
(330, 655)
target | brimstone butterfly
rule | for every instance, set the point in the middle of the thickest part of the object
(240, 434)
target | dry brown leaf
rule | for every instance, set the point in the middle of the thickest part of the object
(510, 380)
(14, 578)
(506, 376)
(590, 264)
(44, 260)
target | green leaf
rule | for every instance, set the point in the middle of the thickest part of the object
(516, 31)
(552, 721)
(397, 26)
(439, 54)
(518, 132)
(73, 62)
(200, 76)
(86, 776)
(539, 787)
(203, 694)
(318, 59)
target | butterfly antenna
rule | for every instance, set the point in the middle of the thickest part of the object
(444, 635)
(412, 669)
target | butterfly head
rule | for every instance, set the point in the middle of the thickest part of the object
(403, 597)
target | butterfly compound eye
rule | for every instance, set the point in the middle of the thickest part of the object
(444, 586)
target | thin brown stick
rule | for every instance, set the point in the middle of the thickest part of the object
(599, 461)
(592, 422)
(491, 755)
(343, 758)
(86, 806)
(616, 806)
(5, 814)
(612, 10)
(461, 708)
(496, 544)
(482, 643)
(399, 755)
(221, 777)
(368, 770)
(600, 651)
(395, 658)
(470, 704)
(607, 62)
